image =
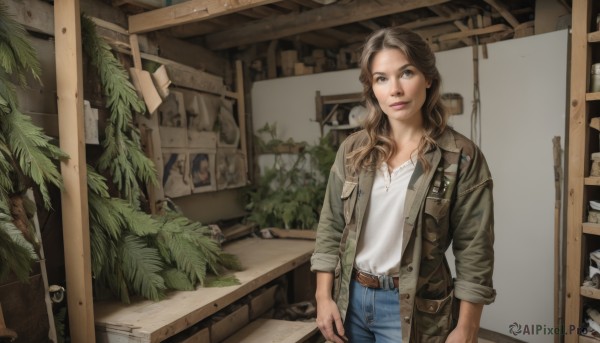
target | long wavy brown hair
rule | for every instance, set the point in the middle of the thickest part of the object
(379, 146)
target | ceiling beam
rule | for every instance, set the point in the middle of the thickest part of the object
(503, 10)
(369, 24)
(315, 19)
(188, 12)
(432, 21)
(475, 32)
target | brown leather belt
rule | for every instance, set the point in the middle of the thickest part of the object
(369, 280)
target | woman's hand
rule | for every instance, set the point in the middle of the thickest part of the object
(462, 335)
(329, 320)
(467, 329)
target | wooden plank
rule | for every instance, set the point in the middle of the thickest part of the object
(590, 292)
(76, 231)
(229, 324)
(195, 79)
(135, 51)
(264, 260)
(241, 111)
(577, 157)
(504, 12)
(293, 233)
(440, 20)
(188, 12)
(192, 55)
(315, 19)
(594, 37)
(474, 32)
(591, 228)
(274, 331)
(592, 96)
(592, 181)
(37, 16)
(262, 302)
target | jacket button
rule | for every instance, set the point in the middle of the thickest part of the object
(407, 319)
(410, 269)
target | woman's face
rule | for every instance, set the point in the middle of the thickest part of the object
(400, 88)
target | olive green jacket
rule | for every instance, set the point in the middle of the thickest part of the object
(450, 204)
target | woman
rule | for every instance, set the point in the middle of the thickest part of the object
(399, 193)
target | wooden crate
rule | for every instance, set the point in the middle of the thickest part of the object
(226, 325)
(262, 302)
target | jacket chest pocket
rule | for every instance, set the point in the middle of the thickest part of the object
(349, 196)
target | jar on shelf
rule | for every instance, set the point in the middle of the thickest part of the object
(595, 78)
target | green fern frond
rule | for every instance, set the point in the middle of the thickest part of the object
(122, 155)
(141, 265)
(14, 36)
(176, 279)
(96, 183)
(26, 143)
(103, 216)
(99, 249)
(222, 281)
(230, 261)
(188, 258)
(16, 253)
(137, 221)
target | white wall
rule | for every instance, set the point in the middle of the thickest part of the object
(523, 94)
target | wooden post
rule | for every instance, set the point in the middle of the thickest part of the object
(577, 157)
(76, 233)
(241, 109)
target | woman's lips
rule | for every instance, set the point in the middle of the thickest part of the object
(399, 105)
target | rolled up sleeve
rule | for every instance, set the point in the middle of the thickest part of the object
(331, 221)
(473, 233)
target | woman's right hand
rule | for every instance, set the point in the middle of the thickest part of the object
(329, 320)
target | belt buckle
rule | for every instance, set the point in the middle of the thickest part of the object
(386, 282)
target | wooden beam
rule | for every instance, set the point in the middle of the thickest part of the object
(369, 24)
(503, 10)
(315, 19)
(190, 54)
(188, 12)
(462, 27)
(474, 32)
(36, 16)
(432, 21)
(74, 195)
(194, 29)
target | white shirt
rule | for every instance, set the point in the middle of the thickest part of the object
(379, 246)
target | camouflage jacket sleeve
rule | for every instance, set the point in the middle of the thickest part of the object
(331, 221)
(472, 222)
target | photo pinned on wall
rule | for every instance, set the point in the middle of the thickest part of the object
(202, 166)
(173, 121)
(229, 132)
(201, 110)
(176, 175)
(231, 169)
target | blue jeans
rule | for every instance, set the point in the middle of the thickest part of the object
(373, 315)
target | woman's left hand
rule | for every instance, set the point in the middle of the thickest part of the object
(462, 335)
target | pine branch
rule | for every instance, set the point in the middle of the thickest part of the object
(16, 54)
(141, 266)
(176, 279)
(122, 155)
(16, 253)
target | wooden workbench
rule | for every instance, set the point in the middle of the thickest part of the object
(145, 321)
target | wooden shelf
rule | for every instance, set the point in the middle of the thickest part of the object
(591, 228)
(592, 181)
(592, 96)
(594, 37)
(590, 292)
(146, 321)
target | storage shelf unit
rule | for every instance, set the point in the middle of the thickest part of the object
(582, 236)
